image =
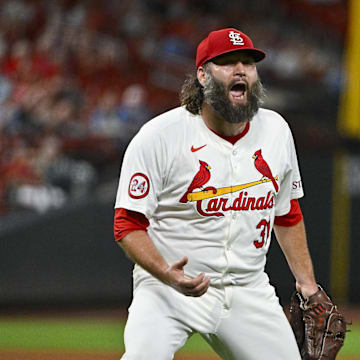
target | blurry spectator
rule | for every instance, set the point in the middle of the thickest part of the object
(65, 117)
(120, 119)
(23, 185)
(42, 178)
(173, 48)
(18, 65)
(40, 198)
(134, 109)
(5, 91)
(106, 118)
(44, 63)
(75, 177)
(20, 119)
(15, 17)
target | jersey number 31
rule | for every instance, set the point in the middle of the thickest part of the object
(264, 234)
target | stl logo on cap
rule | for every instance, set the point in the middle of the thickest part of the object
(236, 38)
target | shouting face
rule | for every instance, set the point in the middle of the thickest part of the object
(232, 87)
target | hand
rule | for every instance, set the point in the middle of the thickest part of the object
(307, 289)
(175, 277)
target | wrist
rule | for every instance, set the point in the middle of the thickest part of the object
(164, 274)
(307, 289)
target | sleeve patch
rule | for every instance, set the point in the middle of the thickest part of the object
(139, 186)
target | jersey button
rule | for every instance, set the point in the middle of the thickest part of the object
(234, 152)
(234, 216)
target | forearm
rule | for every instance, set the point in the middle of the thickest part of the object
(140, 249)
(293, 243)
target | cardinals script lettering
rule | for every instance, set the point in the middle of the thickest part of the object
(219, 205)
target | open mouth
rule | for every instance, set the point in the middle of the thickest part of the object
(238, 91)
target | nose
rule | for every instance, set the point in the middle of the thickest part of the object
(239, 68)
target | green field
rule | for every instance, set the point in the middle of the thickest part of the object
(104, 336)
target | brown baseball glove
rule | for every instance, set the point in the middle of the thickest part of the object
(318, 326)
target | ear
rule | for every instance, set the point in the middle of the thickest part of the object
(201, 75)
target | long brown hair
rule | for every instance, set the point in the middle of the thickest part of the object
(192, 94)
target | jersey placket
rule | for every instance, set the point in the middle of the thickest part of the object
(232, 216)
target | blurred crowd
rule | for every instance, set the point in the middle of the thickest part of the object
(79, 77)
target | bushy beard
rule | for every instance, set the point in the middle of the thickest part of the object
(216, 95)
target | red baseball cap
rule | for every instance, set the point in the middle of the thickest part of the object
(224, 41)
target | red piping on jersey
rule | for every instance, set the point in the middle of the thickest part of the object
(234, 139)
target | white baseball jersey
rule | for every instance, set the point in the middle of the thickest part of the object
(207, 199)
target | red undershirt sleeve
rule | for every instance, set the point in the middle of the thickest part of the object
(126, 221)
(293, 217)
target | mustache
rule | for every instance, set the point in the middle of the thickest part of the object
(215, 89)
(241, 81)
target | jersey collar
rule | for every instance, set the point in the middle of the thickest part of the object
(235, 138)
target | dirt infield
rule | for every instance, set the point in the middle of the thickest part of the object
(50, 355)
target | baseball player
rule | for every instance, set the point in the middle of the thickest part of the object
(202, 187)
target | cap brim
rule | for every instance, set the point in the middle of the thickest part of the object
(257, 54)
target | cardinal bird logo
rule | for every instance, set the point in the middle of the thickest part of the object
(262, 166)
(200, 179)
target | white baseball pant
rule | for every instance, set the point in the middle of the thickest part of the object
(239, 323)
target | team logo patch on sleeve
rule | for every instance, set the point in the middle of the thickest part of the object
(139, 186)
